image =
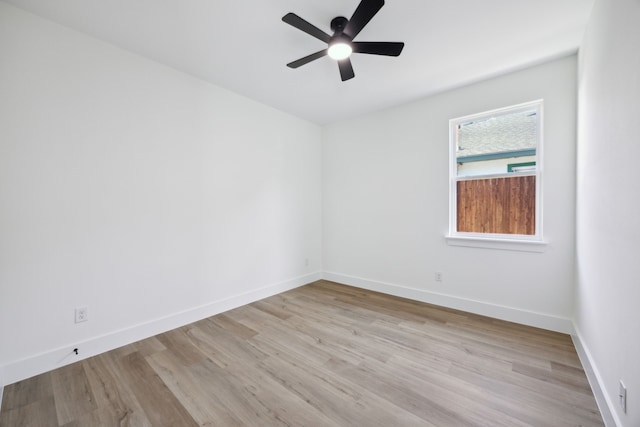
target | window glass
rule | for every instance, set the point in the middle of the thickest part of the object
(496, 172)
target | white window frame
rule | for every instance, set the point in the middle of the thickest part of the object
(518, 242)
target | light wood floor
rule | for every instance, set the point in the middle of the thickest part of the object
(321, 355)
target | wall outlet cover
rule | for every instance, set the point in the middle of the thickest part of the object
(81, 314)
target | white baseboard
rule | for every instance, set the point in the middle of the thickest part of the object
(46, 361)
(609, 416)
(511, 314)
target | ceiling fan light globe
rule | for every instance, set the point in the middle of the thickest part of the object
(340, 51)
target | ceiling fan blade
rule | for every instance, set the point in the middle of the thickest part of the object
(346, 69)
(302, 25)
(307, 59)
(361, 17)
(378, 48)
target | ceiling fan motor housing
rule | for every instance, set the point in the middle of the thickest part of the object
(338, 24)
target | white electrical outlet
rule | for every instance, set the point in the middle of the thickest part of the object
(81, 314)
(622, 394)
(438, 276)
(306, 262)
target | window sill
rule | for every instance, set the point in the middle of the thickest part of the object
(501, 244)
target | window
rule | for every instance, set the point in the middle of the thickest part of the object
(495, 174)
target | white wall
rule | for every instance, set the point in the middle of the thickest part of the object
(149, 196)
(386, 198)
(608, 202)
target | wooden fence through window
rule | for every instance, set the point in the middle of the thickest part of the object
(505, 205)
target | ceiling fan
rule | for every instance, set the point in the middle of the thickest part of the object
(340, 45)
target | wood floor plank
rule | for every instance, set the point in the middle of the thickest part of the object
(234, 396)
(324, 354)
(73, 394)
(149, 346)
(412, 399)
(26, 392)
(333, 395)
(159, 404)
(281, 336)
(269, 397)
(115, 399)
(179, 341)
(39, 413)
(465, 403)
(198, 397)
(235, 328)
(542, 406)
(222, 346)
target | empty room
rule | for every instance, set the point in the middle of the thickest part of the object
(337, 213)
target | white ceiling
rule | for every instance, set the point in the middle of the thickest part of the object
(243, 45)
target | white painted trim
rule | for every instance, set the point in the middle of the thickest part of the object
(609, 415)
(52, 359)
(511, 314)
(502, 244)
